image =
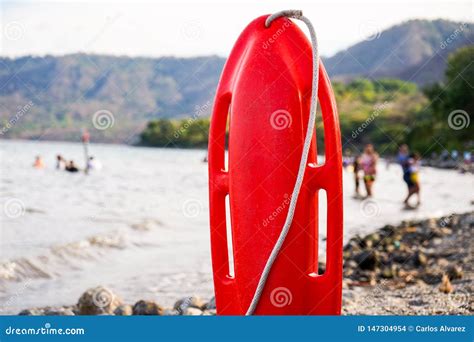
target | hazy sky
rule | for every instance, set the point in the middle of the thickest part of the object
(189, 28)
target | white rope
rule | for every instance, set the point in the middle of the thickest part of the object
(304, 156)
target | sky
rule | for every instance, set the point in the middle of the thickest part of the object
(191, 28)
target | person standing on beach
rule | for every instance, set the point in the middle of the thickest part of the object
(357, 170)
(368, 161)
(413, 171)
(404, 161)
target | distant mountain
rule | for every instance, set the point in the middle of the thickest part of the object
(66, 92)
(415, 51)
(55, 97)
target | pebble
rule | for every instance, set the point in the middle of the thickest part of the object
(59, 312)
(189, 302)
(98, 300)
(446, 286)
(123, 310)
(147, 308)
(192, 312)
(455, 272)
(366, 260)
(211, 305)
(32, 312)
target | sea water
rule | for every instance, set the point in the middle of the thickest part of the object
(140, 225)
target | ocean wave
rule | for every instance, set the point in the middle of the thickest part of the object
(58, 258)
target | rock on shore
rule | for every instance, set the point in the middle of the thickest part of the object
(102, 301)
(417, 268)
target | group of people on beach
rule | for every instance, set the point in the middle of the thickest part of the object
(364, 166)
(67, 165)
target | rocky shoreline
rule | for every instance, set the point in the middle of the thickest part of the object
(416, 268)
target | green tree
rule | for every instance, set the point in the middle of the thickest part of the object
(460, 80)
(452, 103)
(158, 133)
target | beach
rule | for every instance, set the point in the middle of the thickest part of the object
(139, 227)
(416, 268)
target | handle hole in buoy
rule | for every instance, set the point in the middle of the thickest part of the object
(322, 231)
(226, 141)
(320, 150)
(230, 246)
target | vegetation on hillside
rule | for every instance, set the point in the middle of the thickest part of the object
(447, 120)
(385, 112)
(380, 108)
(176, 133)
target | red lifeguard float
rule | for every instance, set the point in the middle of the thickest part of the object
(265, 91)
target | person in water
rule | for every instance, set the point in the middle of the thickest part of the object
(368, 162)
(413, 174)
(60, 162)
(39, 163)
(93, 164)
(71, 167)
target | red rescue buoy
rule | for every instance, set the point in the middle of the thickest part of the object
(265, 91)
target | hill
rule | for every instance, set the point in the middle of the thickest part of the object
(66, 91)
(54, 97)
(415, 51)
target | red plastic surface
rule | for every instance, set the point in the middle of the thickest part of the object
(265, 88)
